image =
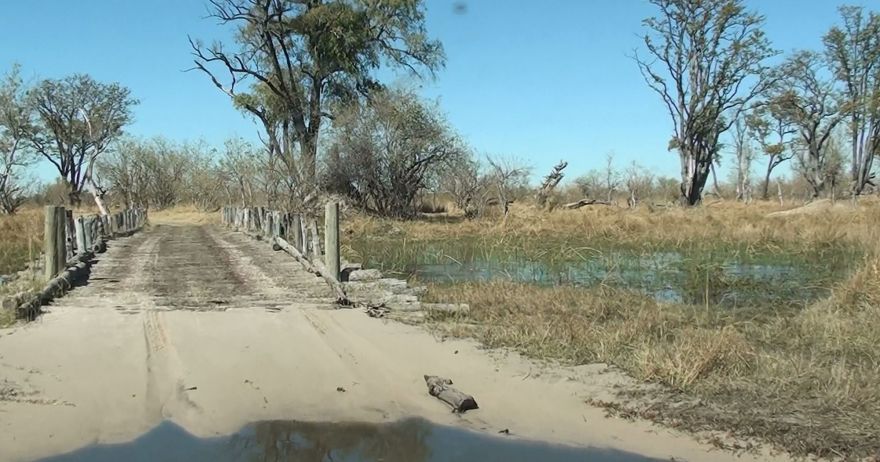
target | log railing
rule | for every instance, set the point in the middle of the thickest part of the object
(297, 235)
(70, 245)
(66, 238)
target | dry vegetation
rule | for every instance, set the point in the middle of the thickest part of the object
(805, 379)
(22, 239)
(184, 215)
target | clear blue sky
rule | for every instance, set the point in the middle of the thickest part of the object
(537, 80)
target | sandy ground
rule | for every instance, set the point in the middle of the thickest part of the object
(212, 331)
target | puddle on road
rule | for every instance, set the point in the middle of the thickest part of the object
(412, 440)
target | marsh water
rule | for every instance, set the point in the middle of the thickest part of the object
(729, 277)
(412, 440)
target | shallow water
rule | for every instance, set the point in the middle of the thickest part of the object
(730, 278)
(666, 278)
(412, 440)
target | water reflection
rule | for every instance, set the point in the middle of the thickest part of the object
(665, 276)
(412, 440)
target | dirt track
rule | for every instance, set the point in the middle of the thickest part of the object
(212, 330)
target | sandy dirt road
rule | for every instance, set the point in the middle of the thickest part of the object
(212, 330)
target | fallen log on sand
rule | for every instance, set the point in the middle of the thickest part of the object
(585, 202)
(440, 388)
(313, 267)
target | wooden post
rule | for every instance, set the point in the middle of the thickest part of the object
(297, 228)
(316, 239)
(331, 238)
(277, 217)
(89, 232)
(53, 241)
(80, 228)
(61, 232)
(70, 233)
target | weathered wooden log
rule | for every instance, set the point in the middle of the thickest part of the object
(331, 239)
(441, 389)
(313, 267)
(53, 241)
(80, 227)
(75, 268)
(365, 275)
(585, 202)
(549, 184)
(316, 240)
(70, 242)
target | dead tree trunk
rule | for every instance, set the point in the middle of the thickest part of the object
(549, 184)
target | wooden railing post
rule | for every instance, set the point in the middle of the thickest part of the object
(70, 234)
(89, 232)
(80, 228)
(331, 239)
(296, 226)
(54, 240)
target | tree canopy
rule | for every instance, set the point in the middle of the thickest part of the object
(293, 59)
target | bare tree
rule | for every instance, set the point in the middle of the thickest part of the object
(16, 119)
(811, 104)
(638, 182)
(854, 52)
(157, 173)
(703, 55)
(590, 184)
(243, 169)
(610, 177)
(742, 148)
(296, 58)
(550, 183)
(78, 119)
(468, 186)
(508, 177)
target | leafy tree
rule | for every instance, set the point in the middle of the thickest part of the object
(744, 155)
(767, 125)
(77, 120)
(16, 120)
(703, 55)
(854, 52)
(294, 59)
(388, 150)
(812, 105)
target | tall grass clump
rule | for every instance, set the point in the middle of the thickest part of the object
(21, 239)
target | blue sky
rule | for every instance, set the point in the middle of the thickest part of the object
(536, 80)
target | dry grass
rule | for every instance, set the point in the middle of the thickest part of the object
(719, 225)
(21, 239)
(804, 380)
(180, 215)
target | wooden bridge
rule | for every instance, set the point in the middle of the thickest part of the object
(209, 327)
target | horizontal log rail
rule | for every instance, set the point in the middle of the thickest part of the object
(70, 245)
(297, 235)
